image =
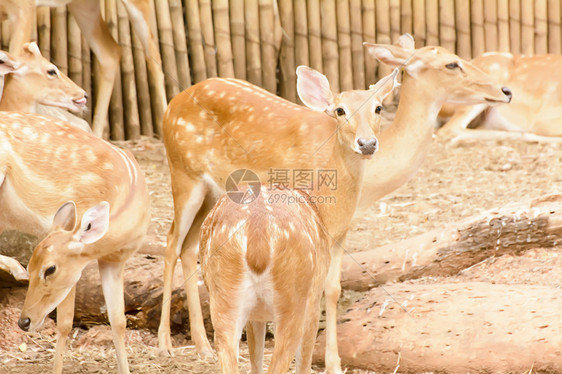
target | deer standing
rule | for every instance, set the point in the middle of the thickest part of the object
(51, 176)
(88, 17)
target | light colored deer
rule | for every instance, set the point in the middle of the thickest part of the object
(88, 17)
(51, 176)
(537, 91)
(265, 261)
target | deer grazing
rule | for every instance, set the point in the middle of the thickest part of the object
(221, 125)
(88, 17)
(87, 199)
(536, 90)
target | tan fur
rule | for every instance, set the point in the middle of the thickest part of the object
(45, 163)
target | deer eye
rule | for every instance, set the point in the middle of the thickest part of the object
(340, 112)
(452, 65)
(50, 270)
(378, 109)
(52, 72)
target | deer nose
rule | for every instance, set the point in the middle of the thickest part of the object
(507, 92)
(24, 323)
(368, 146)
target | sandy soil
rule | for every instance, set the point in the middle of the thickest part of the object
(454, 183)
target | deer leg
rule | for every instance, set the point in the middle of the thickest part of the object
(460, 120)
(65, 316)
(288, 334)
(312, 316)
(88, 16)
(255, 331)
(12, 266)
(111, 274)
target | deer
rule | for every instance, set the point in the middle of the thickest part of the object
(265, 260)
(87, 200)
(87, 14)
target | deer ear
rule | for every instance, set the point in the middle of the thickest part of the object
(406, 41)
(33, 48)
(7, 63)
(95, 223)
(65, 217)
(389, 54)
(386, 84)
(314, 89)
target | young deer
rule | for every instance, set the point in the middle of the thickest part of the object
(51, 174)
(205, 127)
(265, 261)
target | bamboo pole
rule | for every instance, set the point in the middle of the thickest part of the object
(515, 26)
(238, 37)
(197, 54)
(167, 48)
(301, 33)
(419, 23)
(477, 23)
(87, 77)
(222, 38)
(143, 91)
(357, 50)
(554, 40)
(130, 105)
(154, 79)
(344, 45)
(395, 18)
(462, 21)
(314, 34)
(527, 27)
(503, 25)
(44, 31)
(59, 48)
(491, 25)
(447, 35)
(329, 43)
(74, 51)
(406, 17)
(541, 40)
(267, 42)
(206, 16)
(432, 22)
(253, 53)
(369, 36)
(180, 45)
(382, 21)
(287, 79)
(117, 130)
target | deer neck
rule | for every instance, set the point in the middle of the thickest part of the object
(14, 99)
(404, 145)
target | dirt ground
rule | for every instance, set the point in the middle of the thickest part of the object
(453, 183)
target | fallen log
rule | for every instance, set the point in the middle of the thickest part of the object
(460, 327)
(509, 230)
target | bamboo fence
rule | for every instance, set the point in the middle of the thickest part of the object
(263, 41)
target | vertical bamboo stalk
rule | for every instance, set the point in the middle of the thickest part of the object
(329, 42)
(206, 16)
(554, 41)
(395, 18)
(253, 53)
(369, 36)
(197, 53)
(180, 45)
(406, 17)
(287, 79)
(527, 27)
(87, 77)
(357, 49)
(515, 26)
(491, 25)
(462, 20)
(419, 23)
(432, 22)
(314, 34)
(267, 41)
(477, 22)
(222, 38)
(58, 38)
(143, 91)
(344, 45)
(130, 105)
(301, 33)
(382, 20)
(44, 31)
(541, 42)
(117, 130)
(167, 48)
(503, 25)
(238, 37)
(447, 24)
(74, 51)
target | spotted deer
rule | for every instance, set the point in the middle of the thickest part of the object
(265, 260)
(87, 200)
